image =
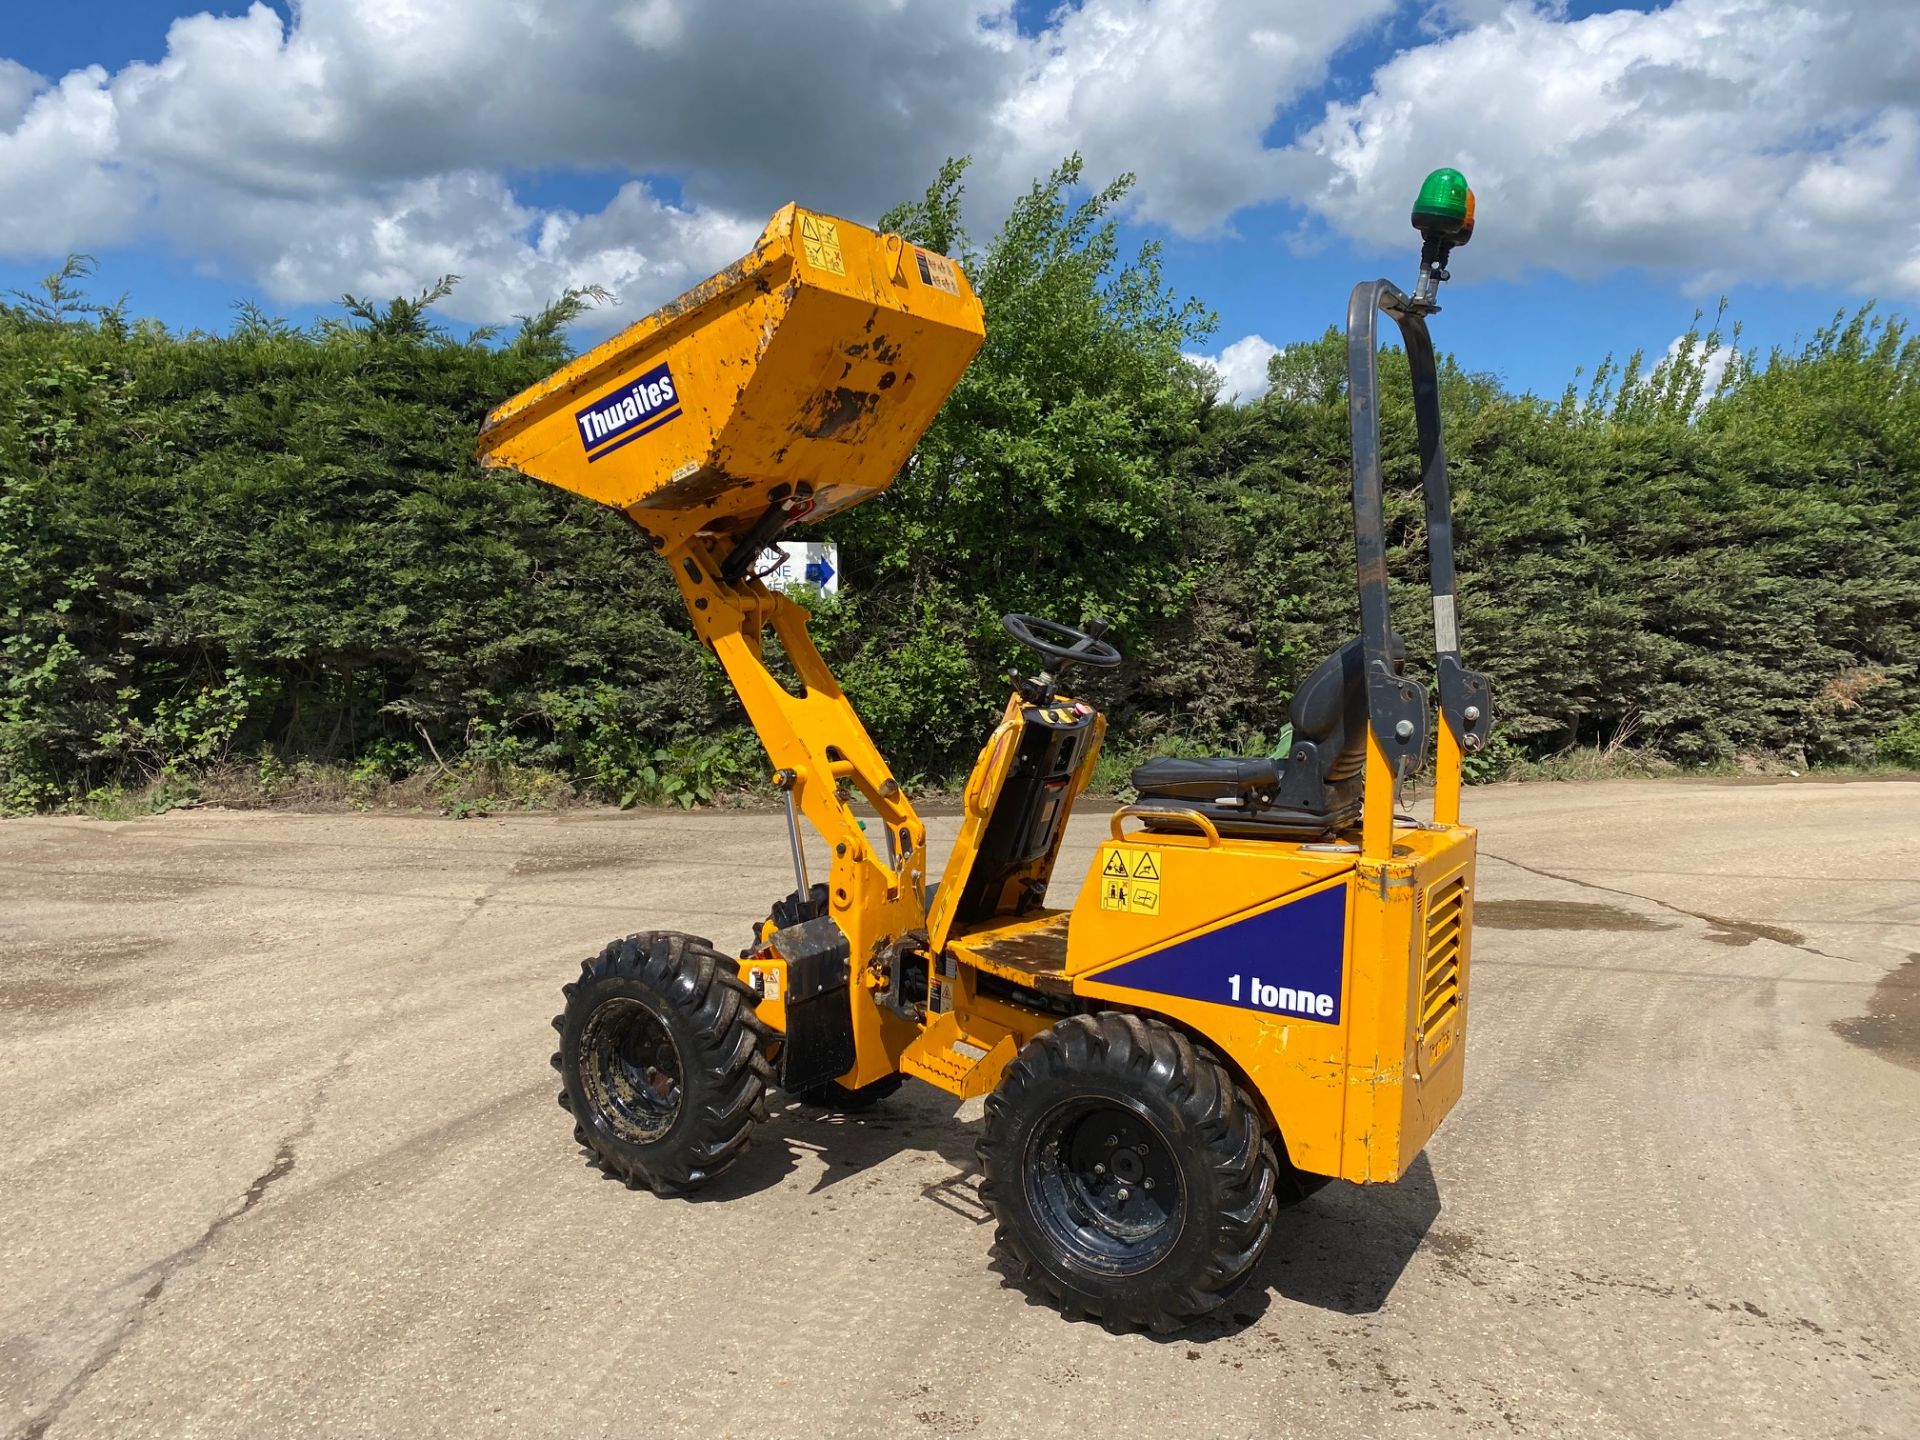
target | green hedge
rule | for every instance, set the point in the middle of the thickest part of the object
(276, 543)
(214, 545)
(1704, 581)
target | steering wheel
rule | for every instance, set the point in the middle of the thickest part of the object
(1062, 644)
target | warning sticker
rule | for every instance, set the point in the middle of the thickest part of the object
(820, 241)
(1133, 891)
(937, 271)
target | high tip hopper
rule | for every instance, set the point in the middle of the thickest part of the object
(816, 360)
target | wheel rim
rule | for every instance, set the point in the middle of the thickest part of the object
(1104, 1185)
(632, 1070)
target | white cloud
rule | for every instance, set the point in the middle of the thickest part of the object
(367, 146)
(1441, 16)
(393, 238)
(1182, 92)
(373, 144)
(58, 188)
(1720, 140)
(18, 85)
(1242, 368)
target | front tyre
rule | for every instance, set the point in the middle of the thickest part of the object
(663, 1060)
(1129, 1174)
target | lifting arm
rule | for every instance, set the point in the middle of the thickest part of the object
(876, 892)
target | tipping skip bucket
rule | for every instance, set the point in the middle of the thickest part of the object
(818, 359)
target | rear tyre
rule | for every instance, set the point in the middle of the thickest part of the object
(1129, 1174)
(837, 1097)
(663, 1060)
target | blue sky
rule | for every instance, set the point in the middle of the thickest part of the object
(1632, 163)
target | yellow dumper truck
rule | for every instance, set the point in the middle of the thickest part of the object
(1262, 984)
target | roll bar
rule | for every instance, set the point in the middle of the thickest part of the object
(1396, 706)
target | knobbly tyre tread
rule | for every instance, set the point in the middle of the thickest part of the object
(1221, 1134)
(722, 1042)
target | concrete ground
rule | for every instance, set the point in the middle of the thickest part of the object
(279, 1156)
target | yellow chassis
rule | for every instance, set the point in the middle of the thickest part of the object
(1354, 1096)
(1331, 976)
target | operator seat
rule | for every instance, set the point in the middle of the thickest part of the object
(1312, 791)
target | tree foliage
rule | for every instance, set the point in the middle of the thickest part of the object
(1043, 485)
(275, 541)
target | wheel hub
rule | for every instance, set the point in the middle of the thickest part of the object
(632, 1071)
(1106, 1185)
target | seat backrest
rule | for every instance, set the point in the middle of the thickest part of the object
(1329, 711)
(1329, 715)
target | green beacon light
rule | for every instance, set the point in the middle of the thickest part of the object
(1443, 204)
(1443, 214)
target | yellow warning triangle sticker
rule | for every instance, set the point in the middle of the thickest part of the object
(1116, 865)
(1144, 868)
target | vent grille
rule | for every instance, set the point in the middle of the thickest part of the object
(1440, 983)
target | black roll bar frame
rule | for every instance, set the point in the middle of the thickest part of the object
(1396, 706)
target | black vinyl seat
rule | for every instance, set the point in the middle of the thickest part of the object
(1314, 790)
(1221, 778)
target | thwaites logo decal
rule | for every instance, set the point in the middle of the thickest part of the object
(1289, 961)
(628, 413)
